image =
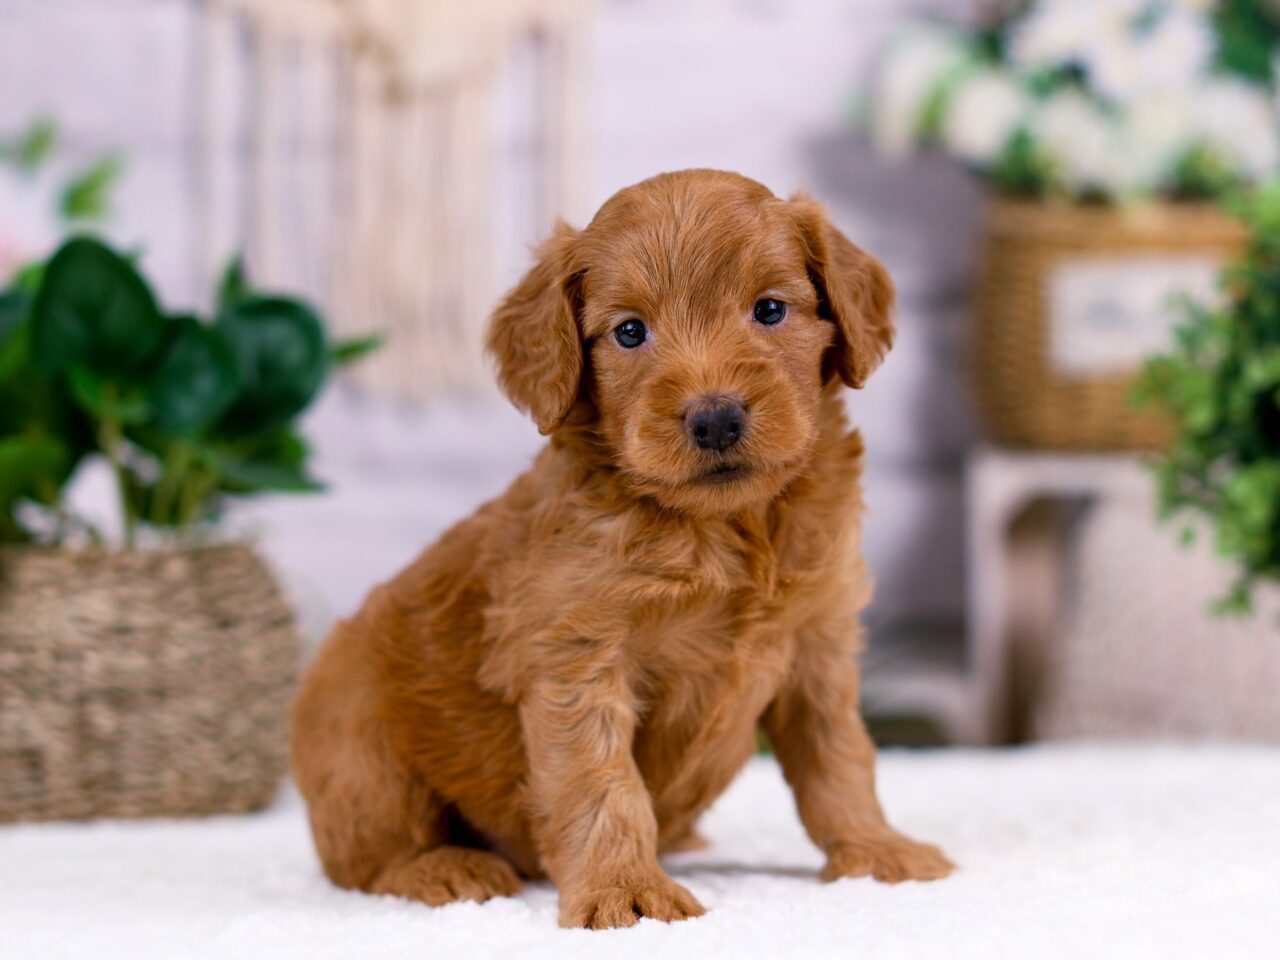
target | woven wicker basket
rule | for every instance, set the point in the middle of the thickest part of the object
(1023, 398)
(141, 684)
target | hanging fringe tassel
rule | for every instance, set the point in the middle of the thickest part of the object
(371, 164)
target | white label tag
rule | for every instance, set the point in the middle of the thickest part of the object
(1108, 314)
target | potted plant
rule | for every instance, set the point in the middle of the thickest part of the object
(149, 677)
(1221, 383)
(1105, 131)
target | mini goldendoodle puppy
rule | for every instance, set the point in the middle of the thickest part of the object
(566, 680)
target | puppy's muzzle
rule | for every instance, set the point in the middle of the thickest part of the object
(715, 423)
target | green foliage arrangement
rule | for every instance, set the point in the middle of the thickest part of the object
(1222, 383)
(188, 411)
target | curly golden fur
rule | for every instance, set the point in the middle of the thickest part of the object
(566, 679)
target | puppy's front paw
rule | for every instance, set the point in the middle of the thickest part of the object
(890, 858)
(623, 902)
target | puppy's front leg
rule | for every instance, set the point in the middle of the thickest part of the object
(829, 760)
(596, 829)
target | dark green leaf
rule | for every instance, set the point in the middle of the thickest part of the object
(1248, 33)
(344, 352)
(196, 379)
(33, 403)
(105, 401)
(24, 462)
(250, 476)
(283, 359)
(13, 313)
(278, 446)
(28, 277)
(1238, 602)
(1022, 168)
(1203, 172)
(93, 309)
(33, 147)
(233, 289)
(85, 197)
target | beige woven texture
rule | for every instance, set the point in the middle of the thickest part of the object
(141, 684)
(1024, 402)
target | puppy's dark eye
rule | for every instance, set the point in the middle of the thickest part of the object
(769, 311)
(630, 334)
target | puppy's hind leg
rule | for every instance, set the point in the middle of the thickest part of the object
(377, 827)
(378, 832)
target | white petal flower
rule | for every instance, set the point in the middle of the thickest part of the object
(1091, 152)
(1181, 47)
(1170, 56)
(915, 63)
(1238, 122)
(983, 112)
(1149, 95)
(1113, 66)
(1160, 127)
(1057, 32)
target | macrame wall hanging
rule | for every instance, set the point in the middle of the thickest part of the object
(353, 150)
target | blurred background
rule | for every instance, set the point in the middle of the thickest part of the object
(1038, 178)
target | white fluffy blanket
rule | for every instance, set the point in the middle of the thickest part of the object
(1065, 852)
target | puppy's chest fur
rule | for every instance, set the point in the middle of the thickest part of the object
(709, 620)
(701, 616)
(723, 627)
(709, 650)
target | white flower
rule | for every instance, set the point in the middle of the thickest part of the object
(1170, 56)
(1090, 152)
(915, 64)
(983, 112)
(1126, 47)
(1149, 95)
(1160, 129)
(1053, 33)
(1238, 122)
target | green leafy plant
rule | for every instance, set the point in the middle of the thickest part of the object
(1221, 382)
(188, 411)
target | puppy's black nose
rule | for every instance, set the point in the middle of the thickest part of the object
(715, 424)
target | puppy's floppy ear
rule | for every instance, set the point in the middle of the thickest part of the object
(854, 292)
(534, 335)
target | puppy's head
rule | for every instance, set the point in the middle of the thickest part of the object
(692, 327)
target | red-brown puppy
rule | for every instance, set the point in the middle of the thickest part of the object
(567, 679)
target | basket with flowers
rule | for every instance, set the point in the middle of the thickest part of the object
(1106, 131)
